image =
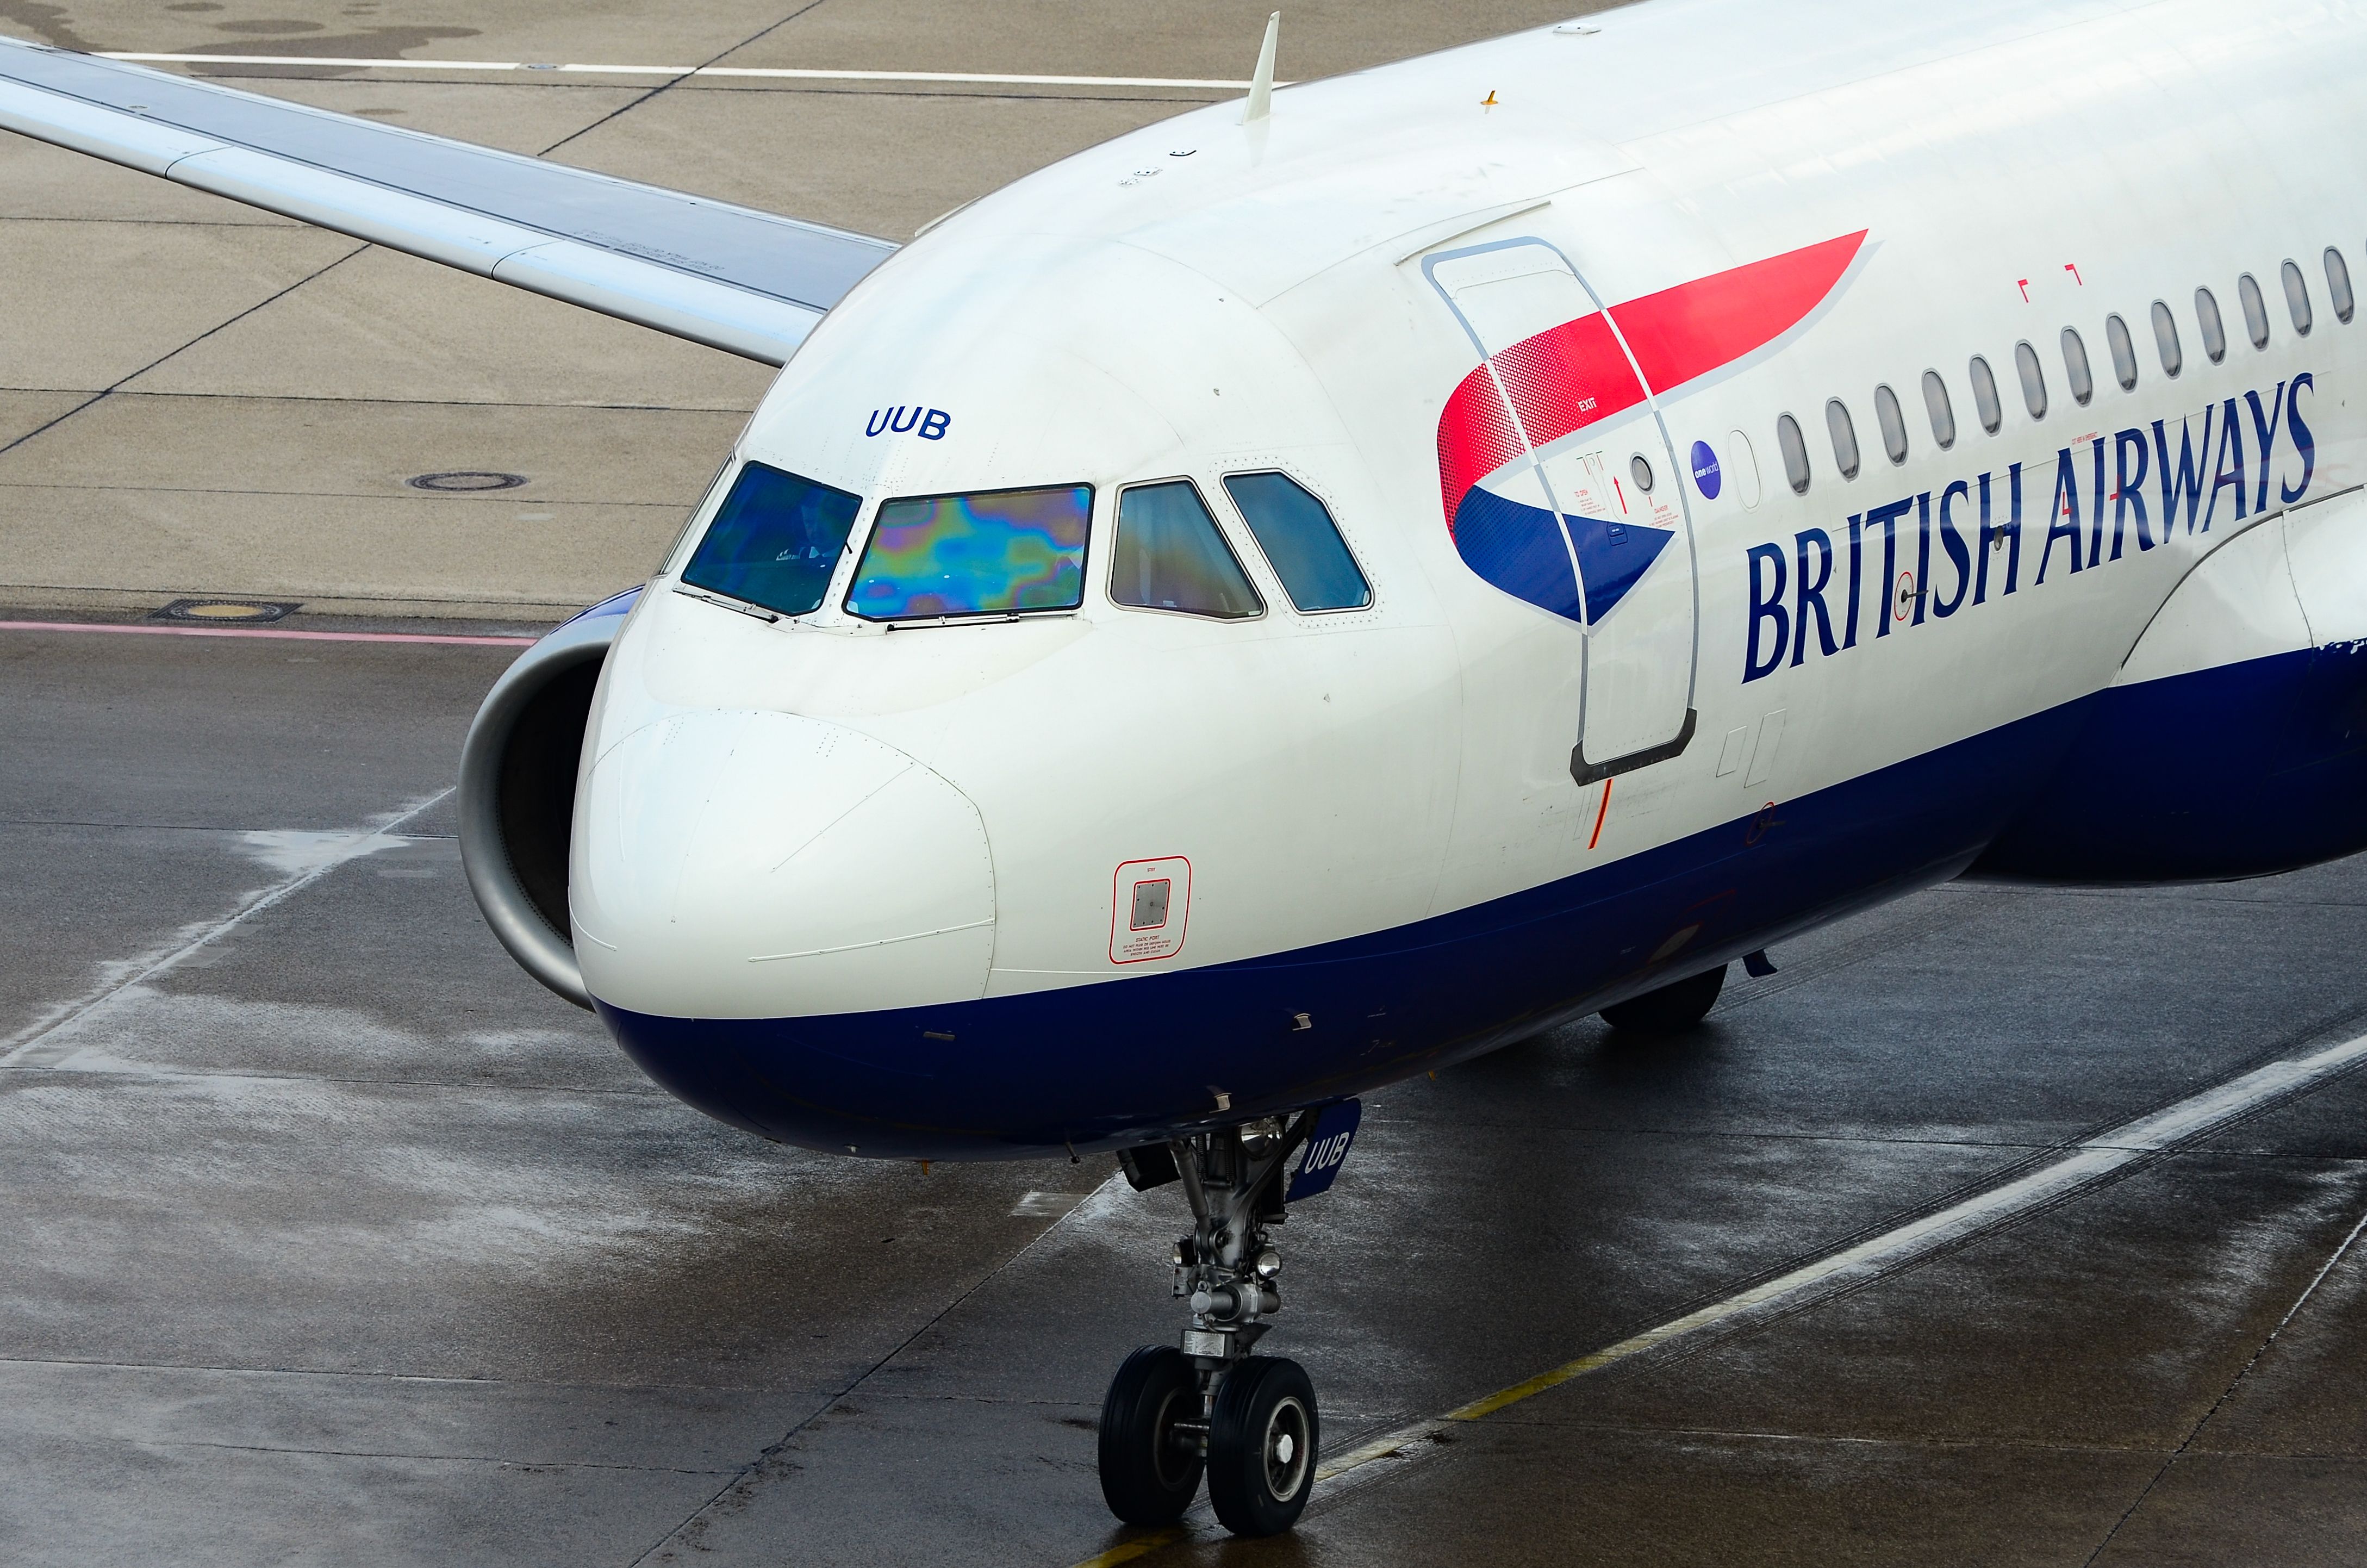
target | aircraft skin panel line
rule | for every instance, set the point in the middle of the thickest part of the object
(747, 283)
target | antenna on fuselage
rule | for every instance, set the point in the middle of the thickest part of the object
(1261, 102)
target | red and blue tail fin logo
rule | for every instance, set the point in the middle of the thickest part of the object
(1574, 375)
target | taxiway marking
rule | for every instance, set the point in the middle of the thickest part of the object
(262, 631)
(2088, 1163)
(785, 73)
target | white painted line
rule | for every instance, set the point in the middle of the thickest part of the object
(2085, 1164)
(304, 858)
(783, 73)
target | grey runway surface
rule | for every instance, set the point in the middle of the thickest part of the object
(333, 1238)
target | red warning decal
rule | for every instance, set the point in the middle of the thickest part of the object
(1150, 902)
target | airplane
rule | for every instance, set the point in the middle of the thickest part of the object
(1328, 585)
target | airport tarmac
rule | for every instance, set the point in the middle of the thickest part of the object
(333, 1237)
(2008, 1230)
(200, 398)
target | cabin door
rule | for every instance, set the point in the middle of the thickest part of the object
(1586, 514)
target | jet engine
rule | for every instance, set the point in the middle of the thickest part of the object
(518, 793)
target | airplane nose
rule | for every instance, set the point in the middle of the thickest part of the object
(745, 865)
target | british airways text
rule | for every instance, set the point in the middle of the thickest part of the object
(1796, 606)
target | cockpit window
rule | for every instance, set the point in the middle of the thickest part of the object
(775, 540)
(1169, 555)
(1301, 542)
(996, 552)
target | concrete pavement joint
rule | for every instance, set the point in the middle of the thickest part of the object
(382, 1376)
(2088, 1163)
(427, 1457)
(2228, 1392)
(511, 499)
(632, 104)
(21, 1050)
(142, 1072)
(104, 393)
(743, 1476)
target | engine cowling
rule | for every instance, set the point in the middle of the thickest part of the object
(518, 772)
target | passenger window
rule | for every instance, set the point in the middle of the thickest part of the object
(2165, 338)
(1641, 472)
(1301, 541)
(1170, 555)
(2124, 352)
(1795, 452)
(2256, 311)
(2214, 331)
(1943, 413)
(1985, 396)
(2074, 368)
(774, 541)
(996, 552)
(2033, 379)
(2337, 285)
(1893, 424)
(1844, 434)
(2297, 299)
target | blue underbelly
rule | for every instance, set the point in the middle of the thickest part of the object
(1121, 1060)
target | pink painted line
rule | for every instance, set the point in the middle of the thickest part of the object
(262, 632)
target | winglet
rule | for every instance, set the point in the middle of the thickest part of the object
(1261, 102)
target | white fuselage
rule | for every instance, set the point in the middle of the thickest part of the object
(821, 815)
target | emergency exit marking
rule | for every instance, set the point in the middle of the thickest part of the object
(1149, 902)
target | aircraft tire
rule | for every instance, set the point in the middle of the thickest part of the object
(1673, 1009)
(1150, 1472)
(1263, 1438)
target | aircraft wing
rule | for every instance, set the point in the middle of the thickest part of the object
(749, 282)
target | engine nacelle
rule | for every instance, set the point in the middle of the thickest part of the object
(2235, 741)
(518, 793)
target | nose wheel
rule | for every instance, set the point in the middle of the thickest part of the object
(1248, 1423)
(1262, 1444)
(1151, 1437)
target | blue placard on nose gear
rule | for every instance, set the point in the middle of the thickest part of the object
(1327, 1150)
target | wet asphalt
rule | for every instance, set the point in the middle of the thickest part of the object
(330, 1236)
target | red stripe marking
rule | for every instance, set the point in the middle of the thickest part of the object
(1604, 811)
(1572, 376)
(261, 632)
(1569, 376)
(1475, 439)
(1690, 330)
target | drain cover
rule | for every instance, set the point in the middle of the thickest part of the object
(222, 610)
(465, 480)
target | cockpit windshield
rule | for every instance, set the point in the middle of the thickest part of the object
(775, 540)
(996, 552)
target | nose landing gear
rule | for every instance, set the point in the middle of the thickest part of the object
(1250, 1422)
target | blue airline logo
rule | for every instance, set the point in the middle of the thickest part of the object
(1705, 470)
(1794, 600)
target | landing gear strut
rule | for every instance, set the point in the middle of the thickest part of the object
(1249, 1422)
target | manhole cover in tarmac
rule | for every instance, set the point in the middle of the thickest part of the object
(465, 481)
(222, 610)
